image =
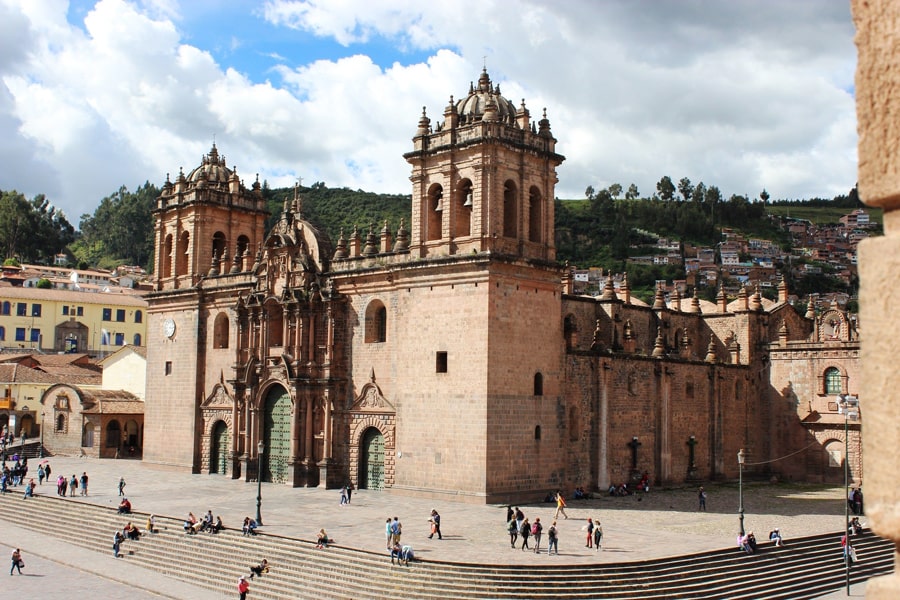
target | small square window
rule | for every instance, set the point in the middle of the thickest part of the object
(107, 314)
(120, 315)
(22, 309)
(441, 362)
(65, 310)
(79, 311)
(35, 310)
(168, 367)
(20, 334)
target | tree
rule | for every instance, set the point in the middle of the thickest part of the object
(632, 193)
(32, 230)
(589, 192)
(615, 190)
(685, 188)
(764, 196)
(665, 188)
(44, 284)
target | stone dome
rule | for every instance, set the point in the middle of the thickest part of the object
(212, 169)
(485, 98)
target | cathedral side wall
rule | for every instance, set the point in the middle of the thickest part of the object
(527, 443)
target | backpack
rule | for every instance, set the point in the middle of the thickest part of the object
(535, 528)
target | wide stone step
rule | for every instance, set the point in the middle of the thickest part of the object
(809, 565)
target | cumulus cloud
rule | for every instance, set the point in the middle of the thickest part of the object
(743, 95)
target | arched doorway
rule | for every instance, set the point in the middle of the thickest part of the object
(277, 435)
(371, 468)
(87, 435)
(113, 435)
(218, 448)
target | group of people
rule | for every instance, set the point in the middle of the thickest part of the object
(71, 484)
(16, 475)
(518, 526)
(346, 493)
(249, 526)
(393, 530)
(208, 523)
(747, 542)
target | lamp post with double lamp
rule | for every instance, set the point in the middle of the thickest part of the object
(260, 448)
(849, 407)
(741, 489)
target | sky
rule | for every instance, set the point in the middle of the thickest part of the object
(745, 95)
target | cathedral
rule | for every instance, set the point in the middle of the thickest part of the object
(450, 358)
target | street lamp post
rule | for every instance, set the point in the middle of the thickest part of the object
(260, 448)
(849, 407)
(741, 489)
(41, 449)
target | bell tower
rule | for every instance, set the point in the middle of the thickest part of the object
(207, 222)
(483, 179)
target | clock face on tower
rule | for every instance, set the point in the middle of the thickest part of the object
(169, 328)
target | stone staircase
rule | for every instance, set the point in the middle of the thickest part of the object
(806, 568)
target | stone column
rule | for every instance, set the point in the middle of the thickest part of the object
(878, 114)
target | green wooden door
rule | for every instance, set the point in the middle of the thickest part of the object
(277, 435)
(372, 468)
(218, 451)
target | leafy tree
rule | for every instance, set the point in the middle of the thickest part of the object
(615, 190)
(665, 188)
(589, 192)
(632, 193)
(120, 230)
(764, 196)
(44, 284)
(685, 188)
(32, 230)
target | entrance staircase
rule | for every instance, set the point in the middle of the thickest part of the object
(804, 568)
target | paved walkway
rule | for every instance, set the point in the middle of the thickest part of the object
(658, 524)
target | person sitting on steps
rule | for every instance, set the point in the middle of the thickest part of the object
(258, 570)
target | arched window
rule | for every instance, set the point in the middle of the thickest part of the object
(537, 432)
(833, 381)
(218, 245)
(243, 242)
(538, 384)
(61, 423)
(167, 257)
(464, 200)
(113, 434)
(137, 339)
(220, 331)
(510, 216)
(181, 266)
(376, 322)
(435, 210)
(535, 222)
(138, 316)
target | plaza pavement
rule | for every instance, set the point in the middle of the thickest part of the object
(661, 523)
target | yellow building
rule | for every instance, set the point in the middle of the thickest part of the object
(51, 320)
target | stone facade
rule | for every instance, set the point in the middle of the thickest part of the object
(452, 359)
(877, 105)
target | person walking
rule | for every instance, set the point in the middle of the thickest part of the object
(513, 528)
(536, 532)
(121, 486)
(349, 491)
(387, 534)
(560, 505)
(598, 534)
(84, 482)
(17, 562)
(243, 587)
(435, 520)
(553, 540)
(344, 499)
(396, 530)
(701, 497)
(41, 475)
(590, 532)
(525, 532)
